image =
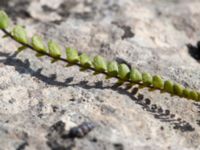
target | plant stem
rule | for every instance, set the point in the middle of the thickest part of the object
(78, 64)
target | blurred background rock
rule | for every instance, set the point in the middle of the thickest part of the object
(152, 35)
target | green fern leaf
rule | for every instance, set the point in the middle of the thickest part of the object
(85, 60)
(4, 20)
(112, 68)
(178, 89)
(124, 71)
(54, 49)
(21, 48)
(99, 64)
(147, 79)
(72, 55)
(186, 93)
(39, 55)
(20, 35)
(158, 82)
(135, 75)
(193, 95)
(169, 86)
(38, 44)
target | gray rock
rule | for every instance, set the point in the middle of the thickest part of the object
(146, 34)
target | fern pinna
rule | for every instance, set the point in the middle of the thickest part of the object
(98, 64)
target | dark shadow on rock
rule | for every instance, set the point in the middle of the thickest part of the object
(22, 146)
(4, 3)
(198, 107)
(157, 111)
(17, 9)
(164, 115)
(55, 140)
(24, 68)
(127, 30)
(60, 139)
(121, 60)
(198, 122)
(194, 51)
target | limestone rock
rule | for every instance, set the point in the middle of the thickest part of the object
(151, 35)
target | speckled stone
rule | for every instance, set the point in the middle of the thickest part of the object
(151, 35)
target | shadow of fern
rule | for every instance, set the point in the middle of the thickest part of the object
(198, 107)
(194, 51)
(24, 68)
(164, 115)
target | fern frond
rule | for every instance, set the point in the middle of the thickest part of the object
(98, 64)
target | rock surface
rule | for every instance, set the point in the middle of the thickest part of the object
(151, 35)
